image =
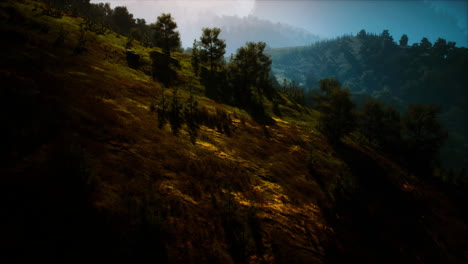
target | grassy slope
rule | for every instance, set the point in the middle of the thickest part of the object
(247, 194)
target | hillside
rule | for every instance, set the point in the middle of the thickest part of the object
(376, 66)
(87, 175)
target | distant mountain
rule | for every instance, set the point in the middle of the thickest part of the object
(374, 65)
(237, 31)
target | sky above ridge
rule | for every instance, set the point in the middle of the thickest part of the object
(327, 19)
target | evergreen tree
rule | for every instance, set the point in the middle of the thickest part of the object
(253, 66)
(195, 57)
(386, 35)
(123, 21)
(166, 36)
(404, 40)
(440, 48)
(425, 44)
(212, 49)
(380, 124)
(248, 76)
(337, 118)
(362, 34)
(387, 42)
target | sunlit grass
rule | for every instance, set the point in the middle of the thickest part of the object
(260, 166)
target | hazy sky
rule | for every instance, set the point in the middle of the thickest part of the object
(328, 19)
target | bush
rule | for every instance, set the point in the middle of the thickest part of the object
(221, 121)
(133, 59)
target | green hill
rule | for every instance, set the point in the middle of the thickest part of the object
(87, 175)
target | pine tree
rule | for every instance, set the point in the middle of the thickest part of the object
(380, 124)
(337, 118)
(212, 48)
(250, 67)
(195, 57)
(166, 36)
(404, 40)
(425, 43)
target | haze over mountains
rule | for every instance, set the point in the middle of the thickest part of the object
(303, 22)
(237, 30)
(330, 19)
(233, 17)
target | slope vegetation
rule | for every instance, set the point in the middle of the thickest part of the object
(87, 175)
(376, 66)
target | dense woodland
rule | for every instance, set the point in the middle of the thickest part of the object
(122, 148)
(392, 71)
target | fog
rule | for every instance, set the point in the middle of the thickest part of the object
(325, 19)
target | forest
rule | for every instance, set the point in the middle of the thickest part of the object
(119, 145)
(375, 66)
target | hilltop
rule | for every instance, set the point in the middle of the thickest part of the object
(87, 175)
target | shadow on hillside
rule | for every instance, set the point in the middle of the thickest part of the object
(377, 222)
(48, 216)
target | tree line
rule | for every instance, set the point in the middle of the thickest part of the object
(100, 17)
(413, 138)
(396, 70)
(243, 81)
